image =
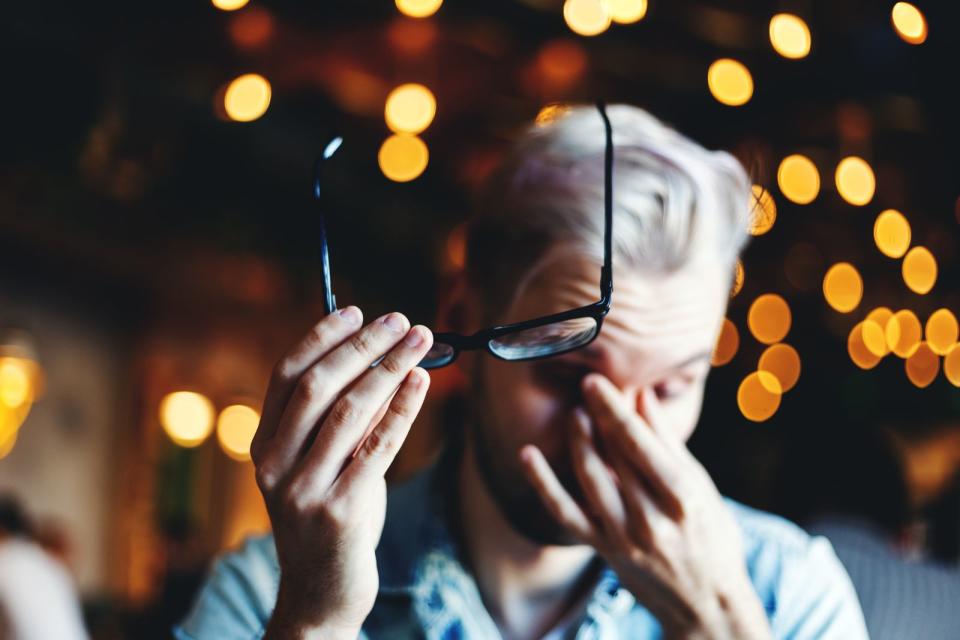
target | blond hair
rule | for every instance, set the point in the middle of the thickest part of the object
(675, 202)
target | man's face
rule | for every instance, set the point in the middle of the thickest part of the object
(659, 333)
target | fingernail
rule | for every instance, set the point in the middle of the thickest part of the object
(394, 322)
(351, 315)
(414, 338)
(416, 380)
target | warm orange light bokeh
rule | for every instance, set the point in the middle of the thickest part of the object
(769, 318)
(783, 361)
(843, 287)
(727, 344)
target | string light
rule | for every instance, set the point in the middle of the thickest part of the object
(419, 8)
(919, 270)
(586, 17)
(923, 366)
(855, 181)
(769, 318)
(859, 353)
(875, 331)
(904, 333)
(942, 331)
(626, 11)
(236, 426)
(783, 361)
(909, 23)
(727, 344)
(763, 211)
(798, 179)
(403, 157)
(738, 277)
(843, 287)
(410, 108)
(187, 417)
(790, 36)
(247, 97)
(229, 5)
(891, 232)
(759, 396)
(730, 82)
(951, 365)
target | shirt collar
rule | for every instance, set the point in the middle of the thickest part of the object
(417, 542)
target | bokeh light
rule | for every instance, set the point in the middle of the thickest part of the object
(419, 8)
(7, 443)
(730, 82)
(586, 17)
(922, 366)
(626, 11)
(403, 157)
(247, 97)
(769, 318)
(551, 113)
(727, 344)
(855, 181)
(15, 382)
(790, 36)
(941, 331)
(919, 270)
(891, 232)
(904, 333)
(783, 361)
(187, 417)
(843, 287)
(410, 108)
(229, 5)
(763, 211)
(875, 331)
(236, 426)
(738, 277)
(759, 396)
(909, 23)
(857, 348)
(798, 179)
(951, 365)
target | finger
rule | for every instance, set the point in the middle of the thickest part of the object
(652, 414)
(596, 481)
(323, 337)
(622, 428)
(320, 386)
(351, 415)
(554, 496)
(639, 505)
(380, 448)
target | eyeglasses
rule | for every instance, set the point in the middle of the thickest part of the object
(541, 337)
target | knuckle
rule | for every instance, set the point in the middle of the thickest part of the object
(283, 372)
(379, 441)
(402, 410)
(362, 344)
(393, 366)
(312, 384)
(266, 478)
(345, 411)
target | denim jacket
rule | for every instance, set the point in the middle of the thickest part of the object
(426, 592)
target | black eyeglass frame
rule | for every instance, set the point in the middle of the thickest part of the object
(482, 339)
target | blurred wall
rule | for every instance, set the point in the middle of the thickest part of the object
(61, 468)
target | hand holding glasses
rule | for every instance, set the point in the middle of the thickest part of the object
(527, 340)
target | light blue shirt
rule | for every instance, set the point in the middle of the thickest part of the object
(426, 592)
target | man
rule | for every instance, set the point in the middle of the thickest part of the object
(570, 507)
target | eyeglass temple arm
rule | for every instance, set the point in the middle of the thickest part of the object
(606, 272)
(329, 300)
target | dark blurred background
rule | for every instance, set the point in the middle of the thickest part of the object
(151, 244)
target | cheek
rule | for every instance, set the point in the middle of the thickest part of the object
(522, 412)
(681, 414)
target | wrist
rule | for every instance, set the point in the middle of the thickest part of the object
(293, 621)
(729, 613)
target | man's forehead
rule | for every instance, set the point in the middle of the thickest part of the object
(670, 317)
